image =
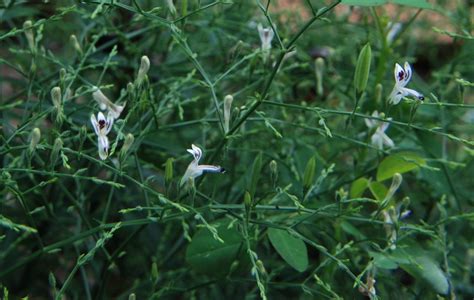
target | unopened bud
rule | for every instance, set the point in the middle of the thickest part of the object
(132, 296)
(169, 169)
(130, 88)
(34, 139)
(261, 267)
(227, 108)
(319, 69)
(56, 97)
(30, 37)
(406, 202)
(76, 44)
(62, 75)
(144, 67)
(58, 145)
(127, 143)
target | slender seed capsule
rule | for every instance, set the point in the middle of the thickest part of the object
(227, 107)
(319, 70)
(362, 70)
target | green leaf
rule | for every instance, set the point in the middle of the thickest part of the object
(428, 270)
(358, 187)
(401, 162)
(364, 2)
(361, 75)
(378, 190)
(414, 3)
(384, 261)
(411, 3)
(291, 249)
(207, 255)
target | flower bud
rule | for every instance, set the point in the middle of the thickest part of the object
(261, 267)
(144, 67)
(75, 44)
(319, 69)
(30, 37)
(129, 138)
(130, 88)
(34, 139)
(58, 145)
(56, 97)
(132, 296)
(227, 107)
(62, 75)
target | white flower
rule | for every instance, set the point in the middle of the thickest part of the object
(402, 77)
(266, 36)
(195, 170)
(379, 138)
(106, 104)
(102, 127)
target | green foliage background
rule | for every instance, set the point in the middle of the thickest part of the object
(299, 212)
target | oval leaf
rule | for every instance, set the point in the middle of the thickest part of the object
(398, 163)
(358, 187)
(428, 270)
(378, 190)
(209, 256)
(291, 249)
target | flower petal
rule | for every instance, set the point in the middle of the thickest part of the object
(387, 141)
(399, 75)
(103, 145)
(407, 91)
(95, 124)
(408, 72)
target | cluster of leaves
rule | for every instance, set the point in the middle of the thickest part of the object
(307, 207)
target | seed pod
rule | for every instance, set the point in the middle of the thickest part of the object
(362, 70)
(319, 70)
(227, 107)
(169, 169)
